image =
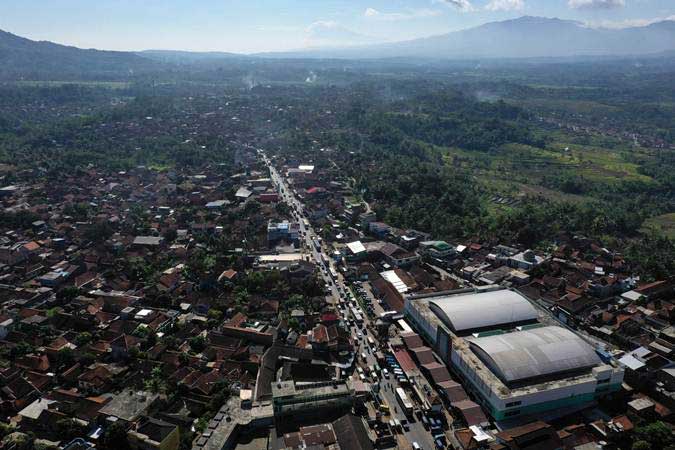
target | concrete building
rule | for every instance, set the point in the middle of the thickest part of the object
(148, 241)
(436, 249)
(525, 260)
(286, 231)
(289, 397)
(514, 365)
(355, 251)
(154, 434)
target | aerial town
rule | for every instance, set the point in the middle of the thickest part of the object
(337, 225)
(264, 306)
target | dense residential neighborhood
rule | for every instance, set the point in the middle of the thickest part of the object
(264, 305)
(453, 231)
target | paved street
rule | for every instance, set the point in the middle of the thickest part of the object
(416, 431)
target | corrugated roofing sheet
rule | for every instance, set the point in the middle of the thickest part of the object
(356, 247)
(486, 309)
(523, 355)
(392, 277)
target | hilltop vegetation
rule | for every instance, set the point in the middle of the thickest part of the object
(518, 160)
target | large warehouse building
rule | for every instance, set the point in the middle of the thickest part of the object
(507, 356)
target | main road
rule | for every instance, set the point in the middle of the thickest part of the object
(341, 295)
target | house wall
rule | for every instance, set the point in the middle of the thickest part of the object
(421, 325)
(143, 442)
(253, 336)
(301, 405)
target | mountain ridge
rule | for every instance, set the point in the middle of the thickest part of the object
(523, 37)
(25, 58)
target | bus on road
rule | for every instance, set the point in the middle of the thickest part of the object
(404, 401)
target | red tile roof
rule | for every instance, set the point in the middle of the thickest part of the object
(405, 361)
(471, 412)
(438, 372)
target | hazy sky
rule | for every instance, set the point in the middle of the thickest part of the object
(262, 25)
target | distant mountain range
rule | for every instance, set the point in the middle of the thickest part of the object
(526, 37)
(184, 57)
(24, 58)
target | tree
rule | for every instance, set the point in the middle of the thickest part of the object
(98, 232)
(170, 235)
(171, 342)
(197, 344)
(83, 338)
(214, 314)
(657, 434)
(20, 349)
(19, 441)
(654, 255)
(5, 429)
(138, 269)
(641, 445)
(201, 424)
(65, 357)
(68, 294)
(134, 353)
(115, 437)
(157, 382)
(200, 266)
(68, 429)
(142, 331)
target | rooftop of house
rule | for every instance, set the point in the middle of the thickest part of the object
(129, 404)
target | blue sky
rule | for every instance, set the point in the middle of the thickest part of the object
(272, 25)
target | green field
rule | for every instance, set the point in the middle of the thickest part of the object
(664, 223)
(518, 169)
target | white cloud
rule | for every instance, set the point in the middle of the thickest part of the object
(373, 13)
(327, 33)
(462, 5)
(322, 24)
(596, 4)
(505, 5)
(628, 23)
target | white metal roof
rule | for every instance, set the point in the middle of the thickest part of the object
(242, 192)
(523, 355)
(483, 310)
(631, 362)
(284, 257)
(356, 247)
(631, 295)
(392, 277)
